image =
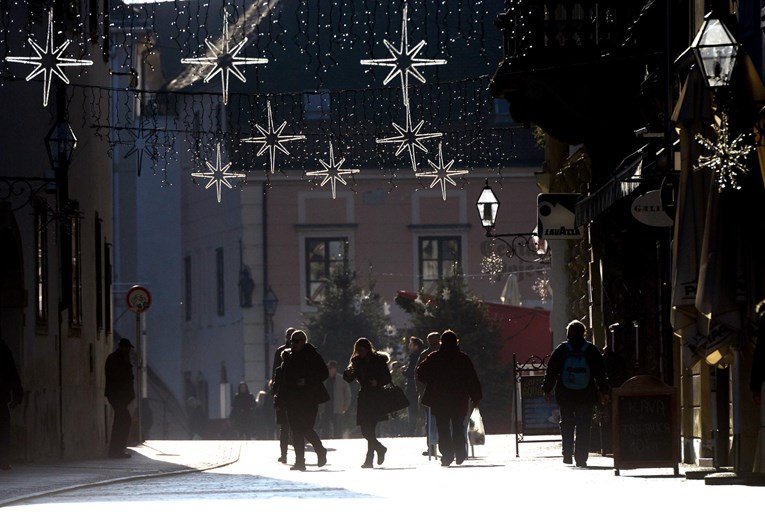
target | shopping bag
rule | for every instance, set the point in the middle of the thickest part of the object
(475, 429)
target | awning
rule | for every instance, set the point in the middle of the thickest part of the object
(623, 183)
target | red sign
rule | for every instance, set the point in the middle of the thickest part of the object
(138, 299)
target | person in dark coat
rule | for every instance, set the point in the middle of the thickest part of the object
(576, 405)
(370, 369)
(11, 393)
(281, 412)
(301, 390)
(451, 386)
(120, 392)
(431, 435)
(243, 409)
(416, 346)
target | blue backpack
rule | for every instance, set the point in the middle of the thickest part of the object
(575, 373)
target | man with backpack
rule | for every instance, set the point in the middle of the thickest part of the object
(578, 374)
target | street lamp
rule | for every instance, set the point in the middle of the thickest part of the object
(270, 303)
(715, 51)
(60, 143)
(525, 246)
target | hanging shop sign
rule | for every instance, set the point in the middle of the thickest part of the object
(649, 210)
(557, 216)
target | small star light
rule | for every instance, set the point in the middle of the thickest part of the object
(409, 138)
(49, 61)
(144, 142)
(404, 61)
(218, 175)
(224, 60)
(726, 158)
(494, 266)
(446, 293)
(272, 139)
(441, 173)
(332, 171)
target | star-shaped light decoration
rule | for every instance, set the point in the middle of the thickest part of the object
(48, 61)
(144, 142)
(441, 173)
(409, 138)
(218, 175)
(332, 172)
(272, 138)
(726, 160)
(404, 60)
(224, 59)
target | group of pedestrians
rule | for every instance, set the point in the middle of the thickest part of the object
(452, 389)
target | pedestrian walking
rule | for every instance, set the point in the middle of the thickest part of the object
(370, 369)
(416, 346)
(279, 410)
(577, 373)
(301, 390)
(431, 435)
(452, 389)
(11, 393)
(332, 413)
(120, 392)
(243, 409)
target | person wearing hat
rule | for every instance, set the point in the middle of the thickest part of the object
(120, 392)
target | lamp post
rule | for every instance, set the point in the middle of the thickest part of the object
(525, 246)
(715, 51)
(270, 303)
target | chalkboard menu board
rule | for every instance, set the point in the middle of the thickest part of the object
(537, 416)
(645, 428)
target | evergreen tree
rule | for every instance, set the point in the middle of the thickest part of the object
(454, 307)
(347, 312)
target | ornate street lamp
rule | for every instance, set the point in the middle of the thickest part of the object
(60, 143)
(270, 303)
(715, 51)
(525, 246)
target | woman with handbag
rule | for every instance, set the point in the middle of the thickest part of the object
(370, 369)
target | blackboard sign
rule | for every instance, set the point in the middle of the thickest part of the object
(645, 428)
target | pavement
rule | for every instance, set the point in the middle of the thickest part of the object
(155, 459)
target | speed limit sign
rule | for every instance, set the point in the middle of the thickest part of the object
(138, 299)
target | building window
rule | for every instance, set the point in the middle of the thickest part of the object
(439, 258)
(75, 240)
(502, 112)
(323, 256)
(108, 286)
(99, 277)
(220, 289)
(187, 287)
(316, 105)
(41, 264)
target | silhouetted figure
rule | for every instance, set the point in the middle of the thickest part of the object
(370, 369)
(243, 410)
(120, 392)
(11, 393)
(452, 389)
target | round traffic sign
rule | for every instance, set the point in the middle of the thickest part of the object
(138, 299)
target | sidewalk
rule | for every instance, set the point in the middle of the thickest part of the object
(151, 459)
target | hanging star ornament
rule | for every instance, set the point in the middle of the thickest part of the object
(726, 160)
(272, 138)
(441, 173)
(332, 172)
(48, 61)
(224, 60)
(144, 143)
(409, 138)
(404, 60)
(218, 175)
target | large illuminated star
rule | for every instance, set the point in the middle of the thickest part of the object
(409, 138)
(218, 175)
(332, 171)
(49, 61)
(224, 60)
(441, 173)
(272, 139)
(404, 60)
